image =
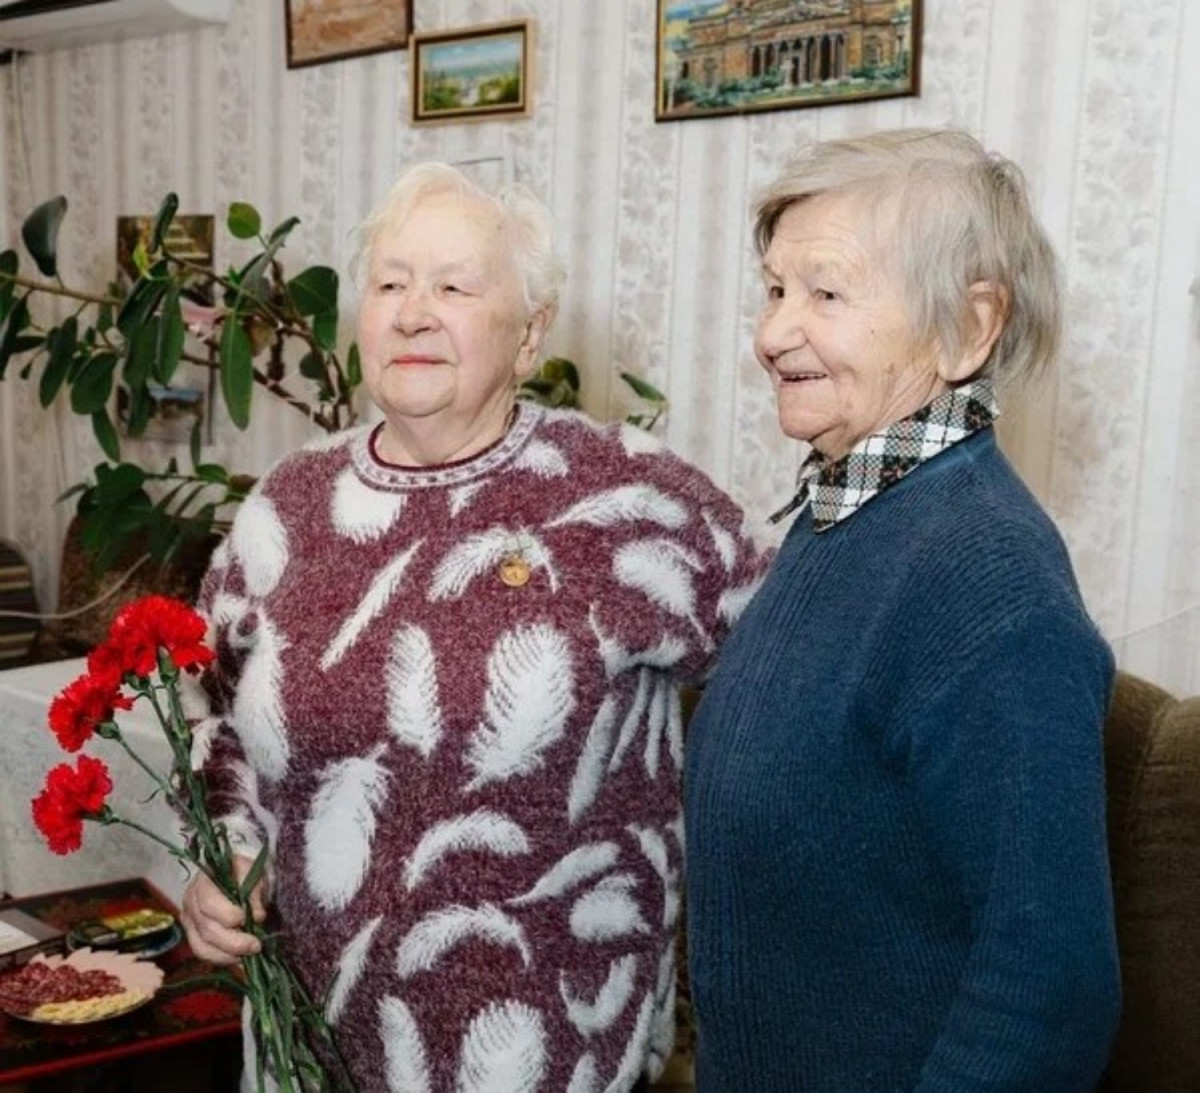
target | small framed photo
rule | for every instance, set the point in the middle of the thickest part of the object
(718, 58)
(320, 31)
(472, 74)
(189, 237)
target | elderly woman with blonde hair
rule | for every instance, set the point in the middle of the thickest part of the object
(446, 699)
(894, 786)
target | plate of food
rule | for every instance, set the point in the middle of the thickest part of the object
(145, 931)
(78, 989)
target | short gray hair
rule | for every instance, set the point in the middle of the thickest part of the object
(526, 220)
(962, 216)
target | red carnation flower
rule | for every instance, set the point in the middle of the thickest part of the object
(71, 795)
(81, 706)
(153, 622)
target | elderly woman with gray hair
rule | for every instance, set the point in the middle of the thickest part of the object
(447, 690)
(894, 785)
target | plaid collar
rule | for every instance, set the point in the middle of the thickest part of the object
(838, 489)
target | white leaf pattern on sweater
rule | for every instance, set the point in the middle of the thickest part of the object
(440, 931)
(608, 911)
(633, 718)
(503, 1051)
(667, 652)
(414, 712)
(530, 696)
(542, 459)
(589, 771)
(350, 967)
(340, 828)
(624, 505)
(360, 513)
(461, 497)
(480, 830)
(635, 1049)
(404, 1051)
(675, 727)
(653, 846)
(637, 441)
(585, 1078)
(260, 543)
(733, 601)
(571, 870)
(480, 554)
(381, 590)
(258, 706)
(722, 540)
(600, 1014)
(662, 570)
(656, 723)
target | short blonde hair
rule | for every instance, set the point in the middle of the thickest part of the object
(962, 216)
(526, 220)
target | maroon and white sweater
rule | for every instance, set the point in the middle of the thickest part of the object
(470, 785)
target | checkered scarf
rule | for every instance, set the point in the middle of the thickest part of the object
(840, 488)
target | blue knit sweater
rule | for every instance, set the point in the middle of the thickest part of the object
(896, 863)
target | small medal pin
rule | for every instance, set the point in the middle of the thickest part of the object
(514, 567)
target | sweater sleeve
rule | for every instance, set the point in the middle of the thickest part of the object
(1007, 761)
(686, 567)
(230, 782)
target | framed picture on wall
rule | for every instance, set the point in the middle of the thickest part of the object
(472, 74)
(715, 57)
(331, 30)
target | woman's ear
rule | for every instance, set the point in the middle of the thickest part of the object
(531, 341)
(986, 317)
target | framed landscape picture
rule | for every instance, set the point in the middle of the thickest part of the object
(331, 30)
(472, 74)
(714, 57)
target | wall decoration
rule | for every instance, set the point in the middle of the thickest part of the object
(332, 30)
(188, 237)
(472, 74)
(717, 57)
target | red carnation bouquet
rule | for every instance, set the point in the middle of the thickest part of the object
(149, 644)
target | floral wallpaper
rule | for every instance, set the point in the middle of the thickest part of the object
(1091, 97)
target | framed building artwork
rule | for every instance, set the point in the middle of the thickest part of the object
(332, 30)
(472, 74)
(740, 56)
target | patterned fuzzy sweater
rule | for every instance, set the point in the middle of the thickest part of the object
(447, 699)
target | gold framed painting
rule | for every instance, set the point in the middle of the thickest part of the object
(715, 57)
(472, 74)
(332, 30)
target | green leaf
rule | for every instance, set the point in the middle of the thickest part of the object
(141, 348)
(8, 270)
(92, 387)
(106, 434)
(283, 231)
(237, 370)
(40, 233)
(314, 291)
(61, 343)
(169, 345)
(560, 370)
(312, 366)
(14, 322)
(643, 389)
(141, 409)
(195, 441)
(244, 221)
(324, 329)
(79, 487)
(212, 472)
(162, 220)
(104, 318)
(353, 367)
(139, 305)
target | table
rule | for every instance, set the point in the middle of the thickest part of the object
(191, 1006)
(28, 749)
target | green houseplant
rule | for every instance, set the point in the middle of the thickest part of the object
(262, 329)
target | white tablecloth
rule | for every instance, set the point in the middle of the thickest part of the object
(28, 749)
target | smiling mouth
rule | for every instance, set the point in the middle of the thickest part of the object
(415, 360)
(800, 377)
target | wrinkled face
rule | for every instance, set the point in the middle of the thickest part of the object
(833, 333)
(442, 325)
